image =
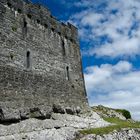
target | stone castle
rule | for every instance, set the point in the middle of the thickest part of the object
(40, 63)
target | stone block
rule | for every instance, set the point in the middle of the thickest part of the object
(58, 109)
(7, 114)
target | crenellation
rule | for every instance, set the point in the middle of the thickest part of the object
(43, 16)
(40, 62)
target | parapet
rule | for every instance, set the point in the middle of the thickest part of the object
(43, 16)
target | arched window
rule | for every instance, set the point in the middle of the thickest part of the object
(28, 59)
(67, 73)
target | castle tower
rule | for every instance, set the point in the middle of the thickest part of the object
(40, 63)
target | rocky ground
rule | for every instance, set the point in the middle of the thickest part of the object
(124, 134)
(63, 127)
(59, 127)
(108, 112)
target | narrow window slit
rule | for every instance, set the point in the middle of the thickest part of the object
(29, 16)
(11, 56)
(63, 48)
(19, 11)
(9, 4)
(67, 73)
(28, 59)
(25, 24)
(46, 26)
(52, 29)
(24, 27)
(59, 33)
(66, 37)
(71, 40)
(38, 21)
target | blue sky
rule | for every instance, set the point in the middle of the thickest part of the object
(109, 33)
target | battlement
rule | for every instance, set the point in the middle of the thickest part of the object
(40, 63)
(42, 15)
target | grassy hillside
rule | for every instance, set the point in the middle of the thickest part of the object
(114, 116)
(107, 112)
(117, 125)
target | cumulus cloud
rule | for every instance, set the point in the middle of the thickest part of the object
(111, 29)
(117, 20)
(123, 46)
(114, 86)
(83, 3)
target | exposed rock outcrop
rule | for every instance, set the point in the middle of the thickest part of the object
(42, 112)
(124, 134)
(108, 112)
(59, 127)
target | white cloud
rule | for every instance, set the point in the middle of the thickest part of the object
(83, 3)
(119, 27)
(123, 46)
(118, 21)
(114, 86)
(122, 66)
(90, 17)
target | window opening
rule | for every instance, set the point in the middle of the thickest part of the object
(29, 16)
(9, 4)
(24, 29)
(67, 73)
(28, 59)
(63, 48)
(25, 24)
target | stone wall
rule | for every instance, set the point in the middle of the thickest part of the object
(40, 63)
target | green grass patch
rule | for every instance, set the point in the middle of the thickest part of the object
(119, 125)
(14, 28)
(104, 110)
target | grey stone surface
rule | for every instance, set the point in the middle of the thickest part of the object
(108, 112)
(40, 62)
(80, 122)
(52, 134)
(24, 113)
(59, 127)
(7, 114)
(58, 109)
(124, 134)
(63, 127)
(71, 111)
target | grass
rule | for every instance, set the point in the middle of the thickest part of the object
(119, 125)
(14, 28)
(104, 110)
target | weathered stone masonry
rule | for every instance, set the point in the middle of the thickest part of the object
(40, 63)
